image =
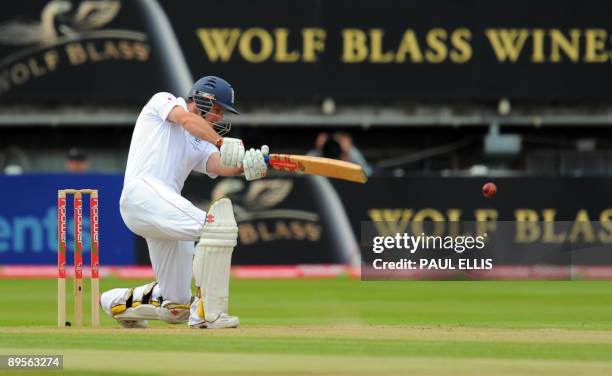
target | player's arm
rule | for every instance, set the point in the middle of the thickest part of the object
(193, 124)
(232, 149)
(214, 166)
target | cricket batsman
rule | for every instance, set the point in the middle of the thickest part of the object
(172, 137)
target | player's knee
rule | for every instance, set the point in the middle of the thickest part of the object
(113, 298)
(220, 228)
(220, 232)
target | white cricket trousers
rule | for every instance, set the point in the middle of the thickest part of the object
(170, 224)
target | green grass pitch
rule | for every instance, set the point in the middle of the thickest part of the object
(337, 327)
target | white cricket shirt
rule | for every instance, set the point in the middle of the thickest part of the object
(162, 151)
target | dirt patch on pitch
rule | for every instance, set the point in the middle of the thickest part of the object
(359, 332)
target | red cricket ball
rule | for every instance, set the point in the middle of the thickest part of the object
(489, 190)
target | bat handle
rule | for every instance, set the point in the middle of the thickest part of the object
(265, 150)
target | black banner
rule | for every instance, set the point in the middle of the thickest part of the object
(389, 49)
(565, 221)
(93, 52)
(356, 50)
(461, 199)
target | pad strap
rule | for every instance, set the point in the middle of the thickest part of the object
(131, 302)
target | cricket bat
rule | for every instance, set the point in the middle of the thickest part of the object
(331, 168)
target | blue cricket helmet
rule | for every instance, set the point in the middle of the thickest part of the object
(219, 90)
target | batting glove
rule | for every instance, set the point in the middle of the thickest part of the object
(232, 151)
(254, 165)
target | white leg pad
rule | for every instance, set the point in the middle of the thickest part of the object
(142, 312)
(132, 307)
(213, 258)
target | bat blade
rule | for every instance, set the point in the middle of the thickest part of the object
(305, 164)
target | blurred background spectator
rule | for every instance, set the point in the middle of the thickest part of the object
(339, 146)
(76, 161)
(14, 161)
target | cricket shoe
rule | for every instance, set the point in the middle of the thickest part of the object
(133, 324)
(223, 322)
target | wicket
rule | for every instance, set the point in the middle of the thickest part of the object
(78, 255)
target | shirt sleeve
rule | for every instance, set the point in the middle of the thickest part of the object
(162, 103)
(209, 150)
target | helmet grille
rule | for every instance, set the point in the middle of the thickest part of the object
(204, 103)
